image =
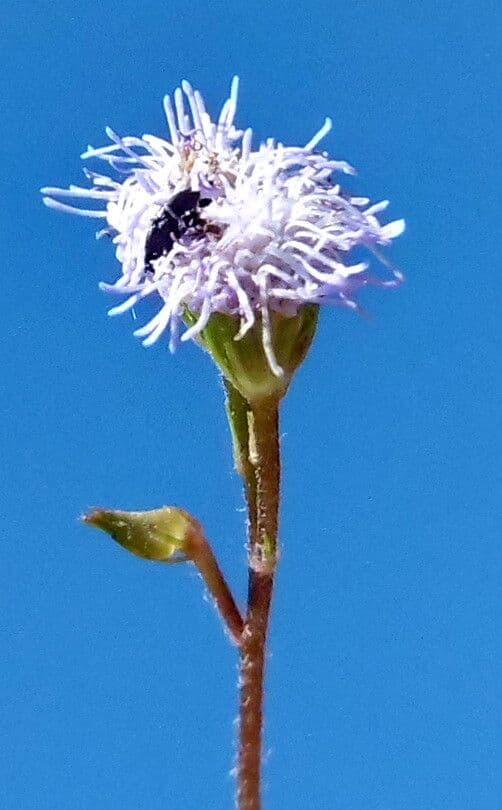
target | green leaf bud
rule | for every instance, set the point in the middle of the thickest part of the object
(159, 534)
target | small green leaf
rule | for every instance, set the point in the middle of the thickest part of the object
(159, 534)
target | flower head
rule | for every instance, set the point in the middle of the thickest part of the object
(210, 225)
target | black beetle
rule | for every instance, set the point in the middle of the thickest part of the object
(181, 213)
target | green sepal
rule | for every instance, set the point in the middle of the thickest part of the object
(159, 534)
(243, 362)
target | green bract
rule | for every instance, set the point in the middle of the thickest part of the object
(244, 362)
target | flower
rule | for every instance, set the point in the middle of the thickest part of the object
(211, 225)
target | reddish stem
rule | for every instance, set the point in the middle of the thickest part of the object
(263, 504)
(201, 554)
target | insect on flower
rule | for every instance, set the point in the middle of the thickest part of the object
(277, 232)
(180, 214)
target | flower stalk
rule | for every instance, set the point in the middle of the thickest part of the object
(262, 477)
(201, 554)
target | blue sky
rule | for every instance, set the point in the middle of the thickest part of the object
(118, 686)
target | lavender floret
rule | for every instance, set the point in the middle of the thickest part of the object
(275, 231)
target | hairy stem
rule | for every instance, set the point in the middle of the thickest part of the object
(262, 474)
(201, 554)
